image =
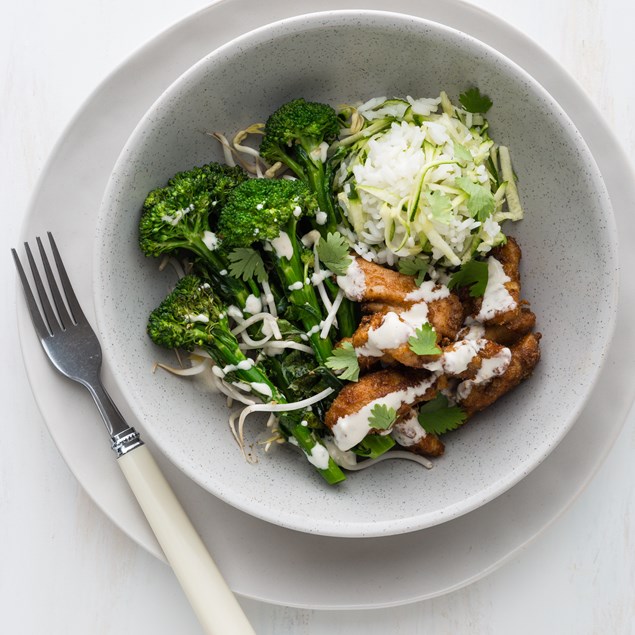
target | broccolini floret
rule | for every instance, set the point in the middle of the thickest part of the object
(259, 209)
(266, 211)
(191, 317)
(182, 217)
(297, 135)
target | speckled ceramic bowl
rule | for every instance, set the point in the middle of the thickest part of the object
(569, 267)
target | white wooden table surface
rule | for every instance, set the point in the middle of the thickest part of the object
(65, 569)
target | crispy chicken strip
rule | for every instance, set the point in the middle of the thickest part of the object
(409, 434)
(384, 285)
(400, 354)
(510, 332)
(348, 416)
(525, 354)
(509, 256)
(465, 358)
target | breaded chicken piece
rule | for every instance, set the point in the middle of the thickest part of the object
(510, 332)
(384, 285)
(384, 290)
(409, 435)
(376, 385)
(401, 354)
(509, 256)
(446, 314)
(463, 359)
(525, 354)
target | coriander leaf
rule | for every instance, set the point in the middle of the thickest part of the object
(382, 416)
(344, 358)
(461, 153)
(480, 203)
(472, 274)
(247, 263)
(437, 416)
(473, 101)
(334, 253)
(440, 206)
(424, 341)
(412, 266)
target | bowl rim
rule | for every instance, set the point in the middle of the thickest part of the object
(346, 528)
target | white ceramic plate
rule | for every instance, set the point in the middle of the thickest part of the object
(567, 216)
(371, 572)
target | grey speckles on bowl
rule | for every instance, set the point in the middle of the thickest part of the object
(569, 267)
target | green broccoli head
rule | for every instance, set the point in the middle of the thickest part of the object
(190, 316)
(178, 215)
(259, 209)
(298, 122)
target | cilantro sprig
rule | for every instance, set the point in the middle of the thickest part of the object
(437, 416)
(474, 102)
(472, 274)
(440, 206)
(247, 263)
(480, 202)
(333, 252)
(344, 359)
(382, 416)
(424, 341)
(414, 266)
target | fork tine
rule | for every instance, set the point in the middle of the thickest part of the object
(40, 325)
(62, 313)
(71, 298)
(45, 303)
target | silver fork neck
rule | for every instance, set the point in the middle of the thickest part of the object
(124, 438)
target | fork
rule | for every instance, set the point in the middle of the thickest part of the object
(74, 350)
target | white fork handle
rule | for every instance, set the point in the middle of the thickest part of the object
(212, 600)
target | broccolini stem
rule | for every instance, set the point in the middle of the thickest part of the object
(307, 440)
(318, 183)
(304, 297)
(224, 350)
(232, 290)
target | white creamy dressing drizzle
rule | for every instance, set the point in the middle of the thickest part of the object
(394, 330)
(473, 331)
(245, 364)
(201, 317)
(234, 312)
(321, 218)
(309, 239)
(319, 456)
(456, 359)
(354, 282)
(490, 368)
(210, 240)
(253, 304)
(345, 459)
(428, 291)
(317, 278)
(262, 389)
(282, 246)
(177, 216)
(408, 432)
(349, 430)
(497, 298)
